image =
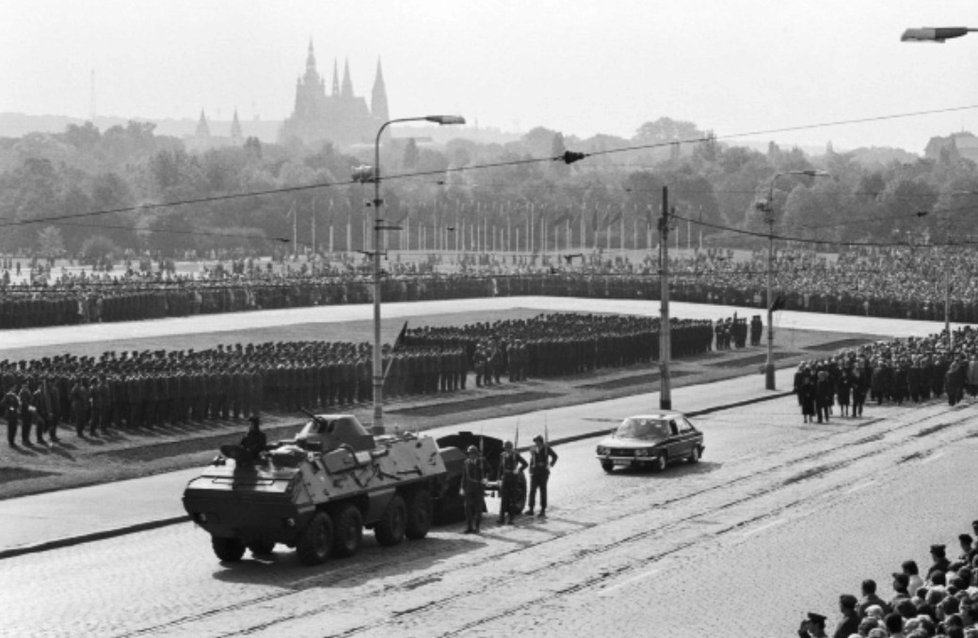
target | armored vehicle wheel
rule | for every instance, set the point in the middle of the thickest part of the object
(261, 548)
(660, 463)
(607, 466)
(348, 530)
(390, 527)
(694, 455)
(419, 514)
(316, 540)
(228, 549)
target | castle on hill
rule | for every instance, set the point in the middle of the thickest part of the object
(340, 117)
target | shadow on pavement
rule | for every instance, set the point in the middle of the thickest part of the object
(282, 568)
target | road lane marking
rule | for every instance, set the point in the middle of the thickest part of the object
(932, 457)
(633, 579)
(774, 523)
(860, 486)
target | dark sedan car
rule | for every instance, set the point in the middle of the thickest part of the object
(652, 440)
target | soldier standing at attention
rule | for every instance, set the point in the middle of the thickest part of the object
(510, 463)
(11, 410)
(473, 481)
(542, 458)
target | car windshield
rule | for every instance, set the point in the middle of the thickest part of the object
(643, 429)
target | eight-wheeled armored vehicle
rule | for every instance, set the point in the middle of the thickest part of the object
(318, 491)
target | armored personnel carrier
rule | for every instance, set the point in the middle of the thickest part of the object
(318, 491)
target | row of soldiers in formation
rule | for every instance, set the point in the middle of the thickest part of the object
(150, 388)
(559, 344)
(913, 369)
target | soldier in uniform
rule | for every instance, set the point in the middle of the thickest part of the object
(756, 329)
(254, 441)
(11, 410)
(510, 464)
(473, 483)
(42, 411)
(542, 458)
(27, 412)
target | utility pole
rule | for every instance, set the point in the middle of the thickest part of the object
(665, 342)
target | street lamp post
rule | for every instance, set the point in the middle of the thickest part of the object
(934, 34)
(768, 208)
(378, 369)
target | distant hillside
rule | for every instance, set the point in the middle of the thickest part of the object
(17, 125)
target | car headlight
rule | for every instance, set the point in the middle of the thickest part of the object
(641, 452)
(602, 450)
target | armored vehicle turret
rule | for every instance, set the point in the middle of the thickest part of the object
(318, 491)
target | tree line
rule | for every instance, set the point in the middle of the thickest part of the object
(55, 190)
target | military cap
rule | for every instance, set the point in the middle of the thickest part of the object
(937, 549)
(817, 619)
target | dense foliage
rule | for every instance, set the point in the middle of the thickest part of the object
(91, 194)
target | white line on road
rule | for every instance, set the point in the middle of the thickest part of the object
(642, 576)
(860, 486)
(932, 457)
(773, 523)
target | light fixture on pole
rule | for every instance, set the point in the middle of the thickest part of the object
(378, 369)
(768, 209)
(934, 34)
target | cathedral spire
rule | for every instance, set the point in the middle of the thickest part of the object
(347, 90)
(202, 129)
(235, 129)
(336, 80)
(311, 59)
(378, 99)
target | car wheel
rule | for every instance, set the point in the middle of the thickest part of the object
(607, 466)
(694, 456)
(229, 550)
(660, 463)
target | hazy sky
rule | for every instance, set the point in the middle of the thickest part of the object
(578, 66)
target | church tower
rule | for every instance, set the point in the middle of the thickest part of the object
(378, 98)
(336, 80)
(347, 91)
(235, 129)
(203, 131)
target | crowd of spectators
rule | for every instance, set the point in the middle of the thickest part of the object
(899, 282)
(896, 370)
(941, 602)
